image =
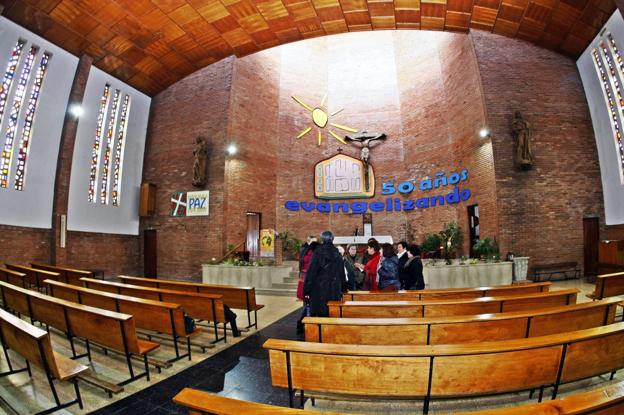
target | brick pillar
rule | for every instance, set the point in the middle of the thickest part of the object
(58, 255)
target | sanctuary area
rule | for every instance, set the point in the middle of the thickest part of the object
(312, 206)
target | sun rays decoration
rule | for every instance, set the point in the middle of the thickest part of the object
(320, 118)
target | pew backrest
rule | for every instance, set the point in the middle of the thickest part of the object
(455, 307)
(608, 285)
(446, 370)
(197, 305)
(13, 277)
(460, 329)
(448, 293)
(34, 276)
(68, 275)
(152, 315)
(34, 345)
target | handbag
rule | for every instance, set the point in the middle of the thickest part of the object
(189, 324)
(307, 309)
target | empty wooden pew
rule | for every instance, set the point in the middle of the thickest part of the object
(604, 401)
(158, 316)
(109, 329)
(447, 293)
(68, 275)
(198, 305)
(443, 371)
(460, 329)
(242, 298)
(33, 344)
(440, 308)
(13, 277)
(204, 403)
(608, 285)
(34, 276)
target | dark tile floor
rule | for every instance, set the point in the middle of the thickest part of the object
(241, 371)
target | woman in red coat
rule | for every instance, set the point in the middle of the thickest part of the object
(304, 269)
(370, 269)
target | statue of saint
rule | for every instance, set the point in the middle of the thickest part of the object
(522, 132)
(365, 141)
(200, 156)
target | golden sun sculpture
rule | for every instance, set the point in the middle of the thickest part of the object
(320, 118)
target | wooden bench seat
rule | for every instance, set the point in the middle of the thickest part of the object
(13, 277)
(200, 306)
(34, 277)
(444, 371)
(34, 345)
(604, 401)
(568, 270)
(157, 316)
(608, 285)
(68, 275)
(440, 308)
(242, 298)
(109, 329)
(460, 329)
(447, 293)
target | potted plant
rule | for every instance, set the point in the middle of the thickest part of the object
(430, 245)
(486, 248)
(290, 246)
(452, 236)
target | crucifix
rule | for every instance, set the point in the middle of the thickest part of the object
(365, 141)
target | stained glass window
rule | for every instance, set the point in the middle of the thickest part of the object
(18, 100)
(112, 123)
(609, 65)
(97, 142)
(22, 155)
(9, 74)
(119, 151)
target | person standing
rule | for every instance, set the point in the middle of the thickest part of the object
(304, 249)
(388, 270)
(370, 269)
(307, 258)
(353, 258)
(324, 278)
(411, 275)
(402, 254)
(349, 281)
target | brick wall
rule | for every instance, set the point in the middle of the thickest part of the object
(540, 211)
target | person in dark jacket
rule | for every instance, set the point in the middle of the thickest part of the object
(323, 281)
(411, 275)
(388, 270)
(402, 253)
(348, 284)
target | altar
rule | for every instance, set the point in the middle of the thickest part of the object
(482, 274)
(361, 240)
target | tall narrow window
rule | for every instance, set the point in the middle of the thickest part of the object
(22, 155)
(119, 153)
(97, 142)
(112, 124)
(18, 100)
(9, 74)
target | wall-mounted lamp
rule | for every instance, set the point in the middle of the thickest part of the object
(484, 133)
(231, 149)
(76, 110)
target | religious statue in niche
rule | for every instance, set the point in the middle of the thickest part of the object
(200, 157)
(522, 132)
(365, 141)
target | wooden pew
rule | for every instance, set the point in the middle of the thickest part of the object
(603, 401)
(34, 345)
(608, 285)
(68, 275)
(34, 277)
(460, 329)
(242, 298)
(204, 403)
(443, 371)
(158, 316)
(440, 308)
(109, 329)
(447, 293)
(198, 305)
(13, 277)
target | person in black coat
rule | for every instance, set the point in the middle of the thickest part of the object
(325, 275)
(411, 275)
(402, 254)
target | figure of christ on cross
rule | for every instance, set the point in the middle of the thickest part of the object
(365, 141)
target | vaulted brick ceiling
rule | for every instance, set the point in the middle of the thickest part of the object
(153, 44)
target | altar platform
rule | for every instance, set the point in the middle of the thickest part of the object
(482, 274)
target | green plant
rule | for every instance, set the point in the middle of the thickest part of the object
(452, 236)
(290, 246)
(431, 242)
(486, 247)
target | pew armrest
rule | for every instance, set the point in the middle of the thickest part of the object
(67, 367)
(146, 346)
